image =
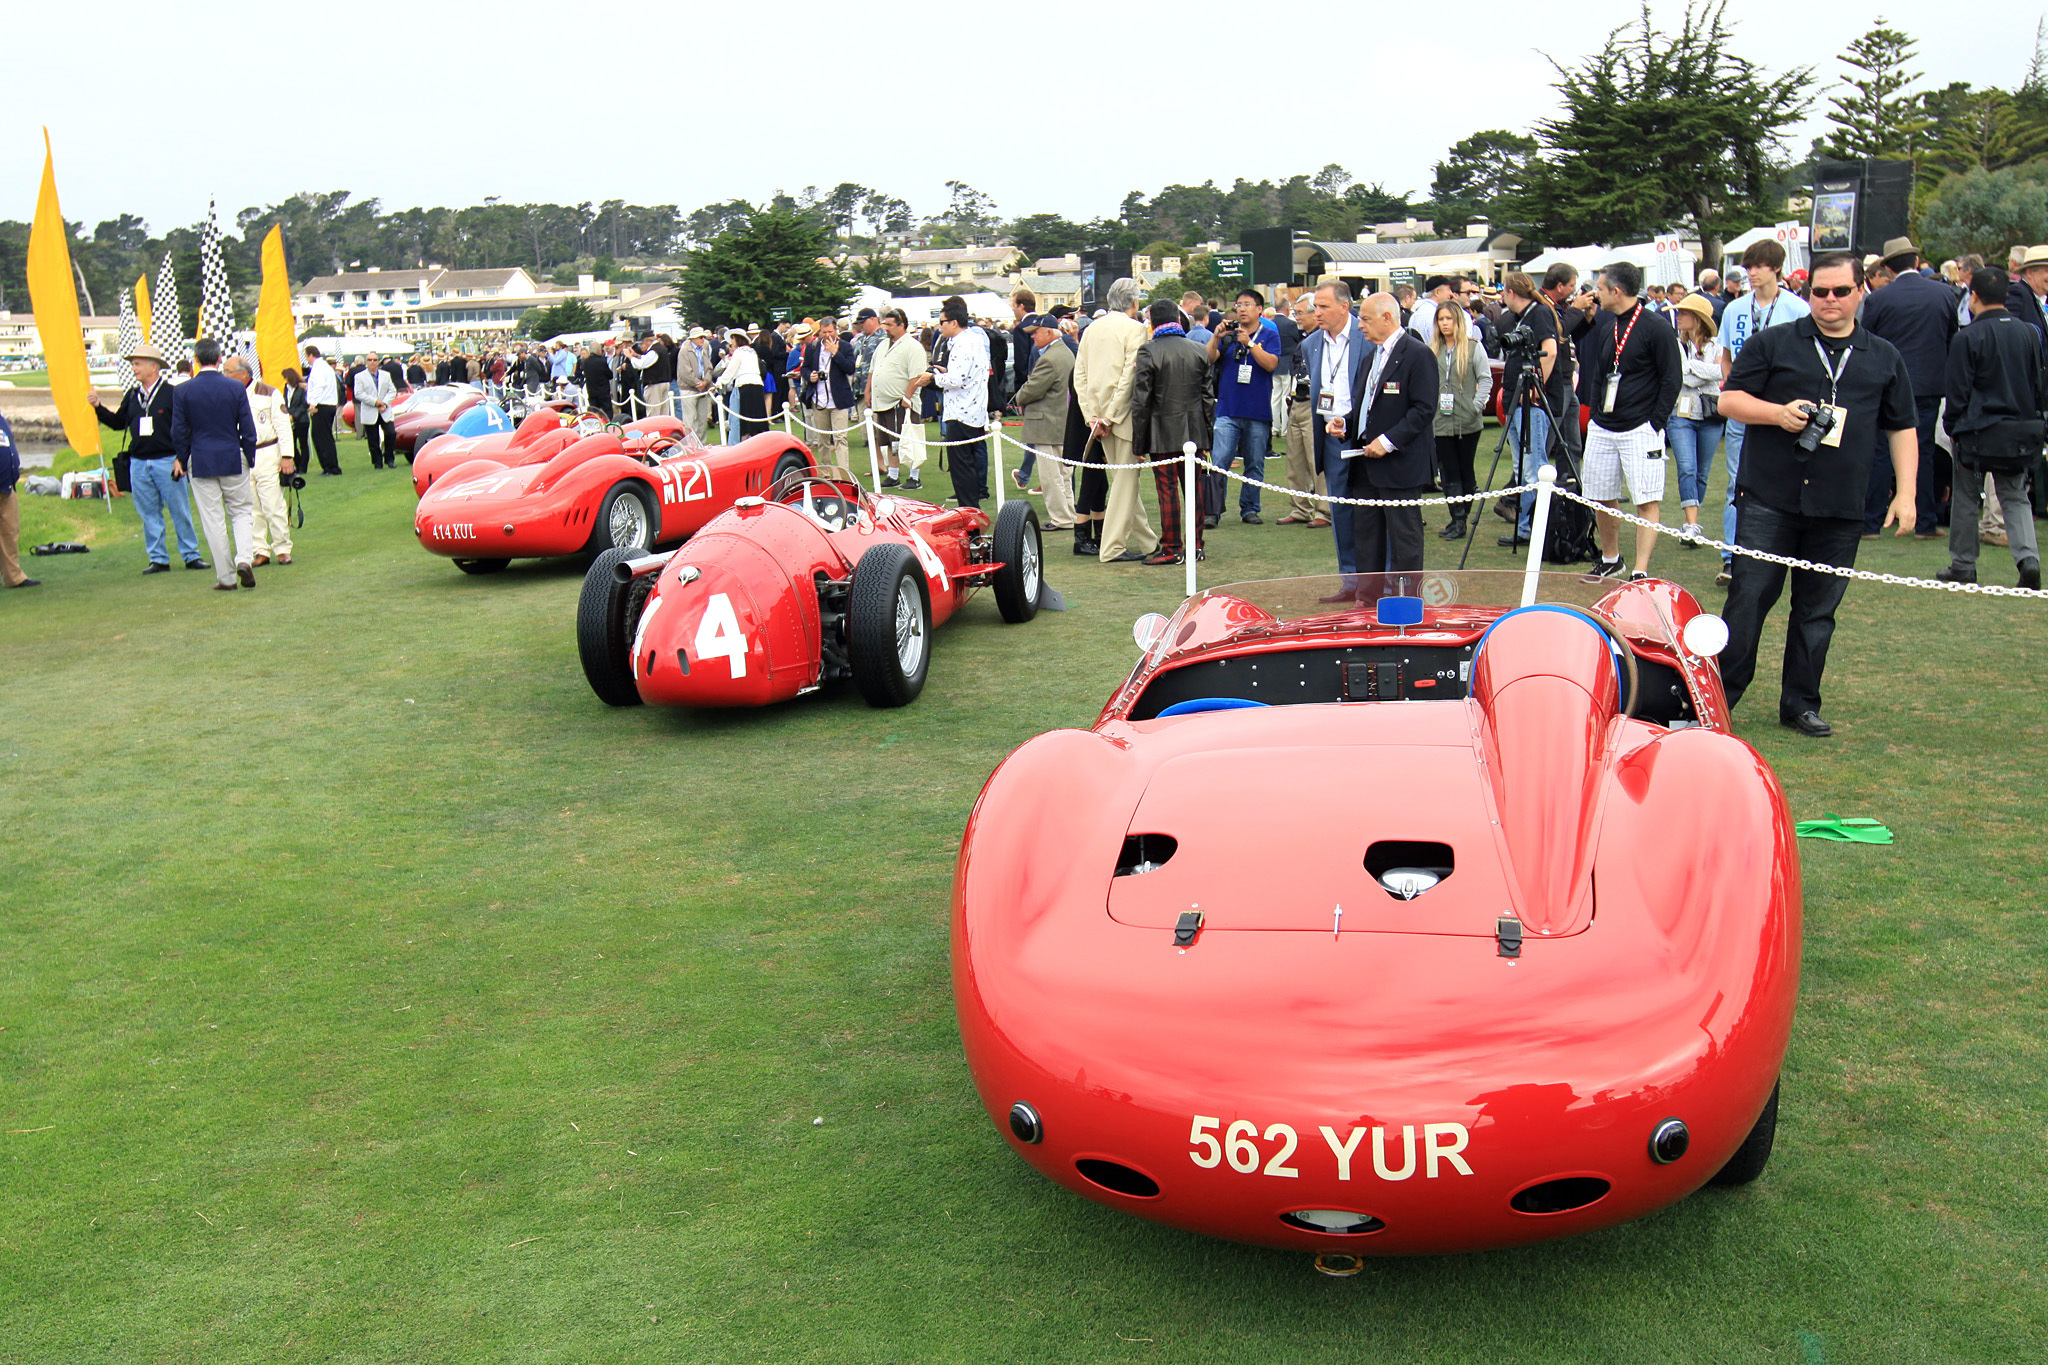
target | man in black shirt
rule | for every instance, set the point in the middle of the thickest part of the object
(1997, 389)
(1808, 504)
(1916, 315)
(1529, 433)
(1631, 387)
(144, 412)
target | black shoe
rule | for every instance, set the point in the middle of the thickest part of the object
(1607, 568)
(890, 481)
(1952, 574)
(155, 567)
(330, 473)
(1726, 576)
(247, 574)
(1163, 557)
(197, 564)
(1512, 542)
(1808, 723)
(1209, 523)
(1252, 519)
(2030, 573)
(1639, 577)
(1090, 548)
(27, 583)
(1455, 531)
(1127, 557)
(912, 483)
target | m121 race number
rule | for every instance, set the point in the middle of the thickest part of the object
(685, 481)
(1211, 1145)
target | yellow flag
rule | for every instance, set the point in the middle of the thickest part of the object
(54, 297)
(277, 342)
(142, 306)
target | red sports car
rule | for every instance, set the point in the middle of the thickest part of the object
(539, 437)
(610, 490)
(1425, 926)
(816, 580)
(429, 412)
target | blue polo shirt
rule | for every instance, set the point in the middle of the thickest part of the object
(1745, 317)
(1236, 395)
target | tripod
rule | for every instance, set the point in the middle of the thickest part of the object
(1559, 452)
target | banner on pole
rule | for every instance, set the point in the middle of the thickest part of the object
(54, 297)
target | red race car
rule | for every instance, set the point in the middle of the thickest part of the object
(613, 489)
(814, 581)
(539, 437)
(430, 412)
(1433, 925)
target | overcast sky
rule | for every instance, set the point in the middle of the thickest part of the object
(153, 109)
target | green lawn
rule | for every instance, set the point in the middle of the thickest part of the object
(370, 992)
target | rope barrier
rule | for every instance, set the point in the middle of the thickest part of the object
(1839, 571)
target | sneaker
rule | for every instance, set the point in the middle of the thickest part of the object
(2030, 573)
(1952, 574)
(912, 482)
(1252, 519)
(1639, 576)
(1690, 537)
(1163, 557)
(1017, 477)
(1725, 577)
(1607, 568)
(890, 481)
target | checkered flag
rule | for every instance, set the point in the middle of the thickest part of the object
(166, 327)
(216, 307)
(131, 337)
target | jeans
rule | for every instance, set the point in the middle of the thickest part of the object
(1251, 438)
(1728, 517)
(154, 490)
(1526, 465)
(1692, 447)
(1755, 590)
(1026, 465)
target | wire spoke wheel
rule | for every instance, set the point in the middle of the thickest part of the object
(909, 627)
(628, 524)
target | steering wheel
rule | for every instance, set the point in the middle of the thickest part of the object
(822, 499)
(1628, 660)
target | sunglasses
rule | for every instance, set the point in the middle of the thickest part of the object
(1839, 291)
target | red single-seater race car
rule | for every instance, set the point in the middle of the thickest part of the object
(817, 580)
(1431, 925)
(613, 489)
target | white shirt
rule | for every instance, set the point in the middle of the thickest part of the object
(1372, 378)
(1423, 318)
(965, 379)
(321, 390)
(1336, 375)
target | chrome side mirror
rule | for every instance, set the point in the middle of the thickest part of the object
(1149, 632)
(1705, 636)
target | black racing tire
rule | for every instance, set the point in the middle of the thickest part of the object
(483, 566)
(889, 626)
(1755, 1152)
(790, 462)
(1020, 549)
(607, 615)
(603, 535)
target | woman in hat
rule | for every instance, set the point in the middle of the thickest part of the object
(739, 376)
(1696, 425)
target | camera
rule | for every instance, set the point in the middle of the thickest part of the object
(1819, 422)
(1520, 342)
(292, 480)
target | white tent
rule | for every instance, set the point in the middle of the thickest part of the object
(1587, 259)
(360, 344)
(980, 304)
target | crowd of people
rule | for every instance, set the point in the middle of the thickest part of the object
(1853, 396)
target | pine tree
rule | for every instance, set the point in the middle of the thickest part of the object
(768, 264)
(1872, 117)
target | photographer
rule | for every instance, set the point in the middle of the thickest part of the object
(1529, 341)
(1814, 394)
(1243, 353)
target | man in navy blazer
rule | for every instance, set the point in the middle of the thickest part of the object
(1393, 453)
(1918, 317)
(1336, 354)
(213, 437)
(827, 368)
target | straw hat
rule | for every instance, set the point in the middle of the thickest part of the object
(146, 352)
(1697, 305)
(2036, 255)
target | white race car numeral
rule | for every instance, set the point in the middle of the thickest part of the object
(929, 558)
(698, 486)
(1443, 1146)
(719, 634)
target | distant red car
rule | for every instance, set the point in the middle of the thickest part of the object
(429, 412)
(627, 490)
(539, 437)
(816, 580)
(1433, 925)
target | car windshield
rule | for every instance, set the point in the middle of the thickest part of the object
(1432, 602)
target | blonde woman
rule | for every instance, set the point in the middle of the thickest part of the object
(1696, 425)
(1464, 383)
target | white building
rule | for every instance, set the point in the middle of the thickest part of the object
(432, 302)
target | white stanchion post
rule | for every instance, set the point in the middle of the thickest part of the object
(788, 417)
(995, 461)
(1190, 513)
(867, 426)
(1539, 526)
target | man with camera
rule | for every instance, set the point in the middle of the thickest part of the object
(1305, 508)
(1529, 341)
(1814, 393)
(1632, 377)
(1243, 352)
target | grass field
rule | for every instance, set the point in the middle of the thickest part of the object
(370, 992)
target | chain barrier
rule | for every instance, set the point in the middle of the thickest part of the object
(1860, 575)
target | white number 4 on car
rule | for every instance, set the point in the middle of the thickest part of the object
(719, 634)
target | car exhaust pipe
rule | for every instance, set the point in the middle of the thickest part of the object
(626, 570)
